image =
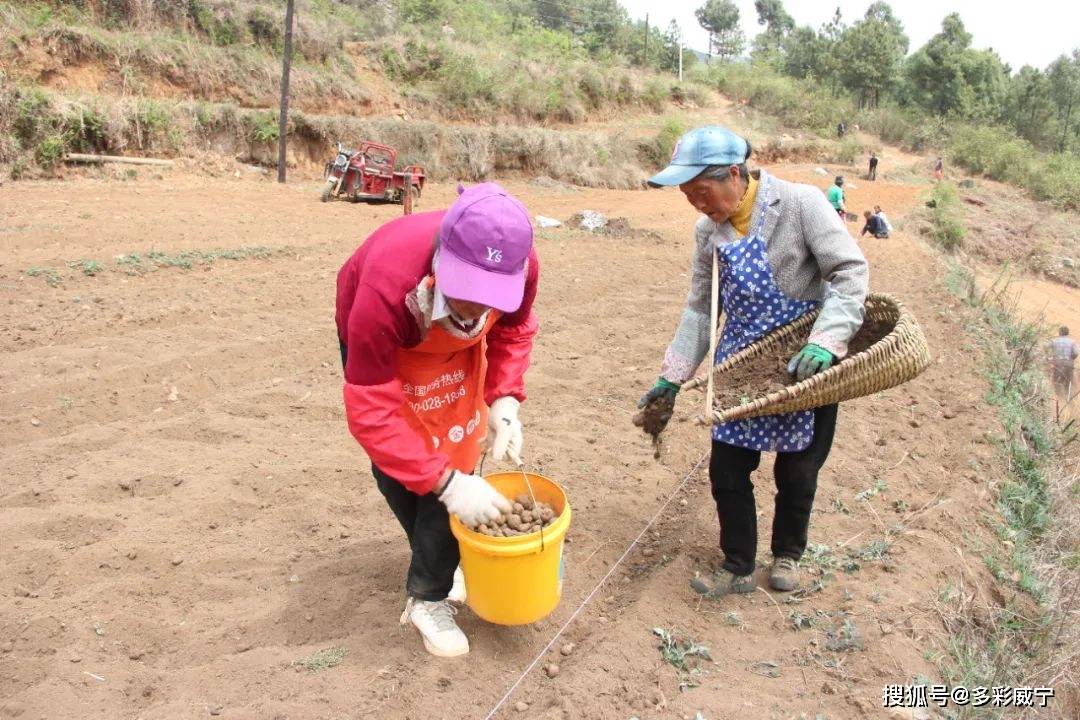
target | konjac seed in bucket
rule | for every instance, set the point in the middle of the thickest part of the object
(526, 518)
(516, 580)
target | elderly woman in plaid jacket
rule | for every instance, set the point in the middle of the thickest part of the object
(782, 252)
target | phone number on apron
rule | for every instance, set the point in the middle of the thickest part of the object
(438, 401)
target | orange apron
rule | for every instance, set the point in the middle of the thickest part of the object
(443, 382)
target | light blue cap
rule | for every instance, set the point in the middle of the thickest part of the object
(697, 150)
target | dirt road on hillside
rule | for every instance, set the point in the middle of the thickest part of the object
(186, 519)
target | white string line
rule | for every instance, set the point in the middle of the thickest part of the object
(589, 597)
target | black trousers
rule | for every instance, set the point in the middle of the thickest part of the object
(873, 171)
(427, 525)
(796, 476)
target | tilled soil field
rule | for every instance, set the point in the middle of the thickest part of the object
(186, 524)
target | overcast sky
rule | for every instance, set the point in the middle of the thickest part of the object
(1033, 32)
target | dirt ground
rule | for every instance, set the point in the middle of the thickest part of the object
(1005, 226)
(185, 517)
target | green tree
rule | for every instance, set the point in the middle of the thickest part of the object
(935, 72)
(1064, 77)
(605, 22)
(1030, 109)
(671, 43)
(773, 16)
(988, 79)
(768, 44)
(721, 19)
(828, 59)
(882, 12)
(803, 53)
(948, 77)
(555, 15)
(633, 46)
(601, 27)
(424, 11)
(869, 54)
(767, 48)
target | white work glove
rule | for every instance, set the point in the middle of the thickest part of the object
(472, 499)
(506, 438)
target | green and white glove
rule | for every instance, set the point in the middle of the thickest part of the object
(811, 360)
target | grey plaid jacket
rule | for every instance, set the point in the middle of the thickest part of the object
(812, 257)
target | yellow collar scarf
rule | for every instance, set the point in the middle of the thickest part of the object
(740, 220)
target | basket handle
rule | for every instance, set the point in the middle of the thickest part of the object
(714, 320)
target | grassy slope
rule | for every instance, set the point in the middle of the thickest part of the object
(992, 152)
(170, 81)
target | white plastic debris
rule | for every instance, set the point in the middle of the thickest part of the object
(547, 222)
(592, 220)
(821, 171)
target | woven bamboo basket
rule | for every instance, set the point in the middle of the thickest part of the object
(893, 360)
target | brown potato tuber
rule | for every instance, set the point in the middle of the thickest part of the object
(528, 518)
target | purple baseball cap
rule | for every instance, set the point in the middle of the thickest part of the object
(484, 244)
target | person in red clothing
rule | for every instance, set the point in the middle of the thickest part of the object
(436, 324)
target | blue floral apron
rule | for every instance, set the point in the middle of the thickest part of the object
(755, 306)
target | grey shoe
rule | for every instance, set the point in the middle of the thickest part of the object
(784, 574)
(722, 582)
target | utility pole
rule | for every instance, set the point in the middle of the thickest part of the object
(680, 60)
(283, 113)
(646, 63)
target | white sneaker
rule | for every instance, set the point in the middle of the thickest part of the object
(435, 621)
(457, 593)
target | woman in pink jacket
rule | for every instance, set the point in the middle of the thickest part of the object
(436, 324)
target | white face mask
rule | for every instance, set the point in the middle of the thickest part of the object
(444, 314)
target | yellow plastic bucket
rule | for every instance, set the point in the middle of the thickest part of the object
(515, 580)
